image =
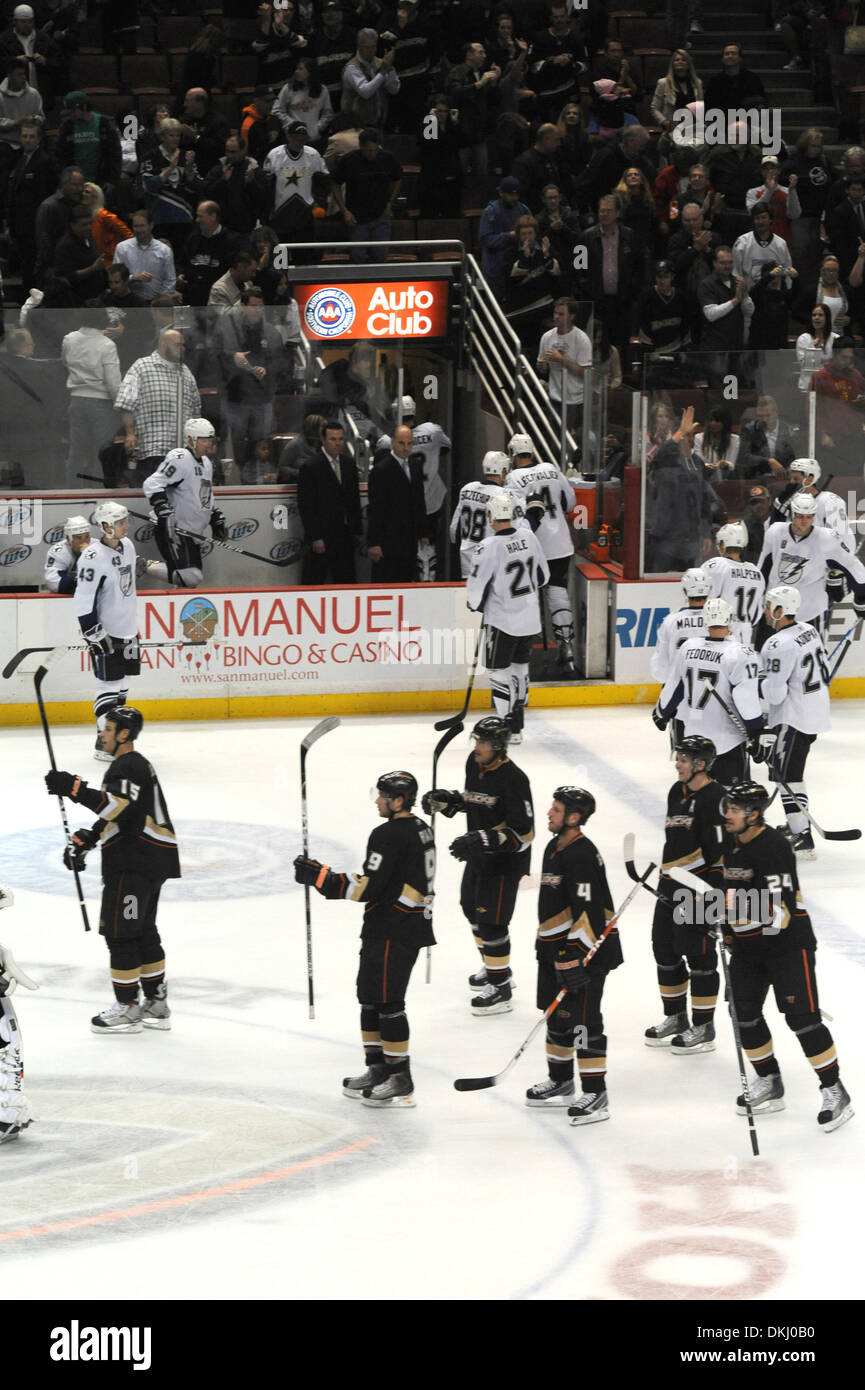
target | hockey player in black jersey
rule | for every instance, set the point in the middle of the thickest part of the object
(694, 839)
(396, 885)
(574, 906)
(496, 849)
(773, 946)
(139, 852)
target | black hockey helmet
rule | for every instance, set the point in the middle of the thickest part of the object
(576, 799)
(752, 796)
(493, 730)
(695, 746)
(392, 784)
(125, 717)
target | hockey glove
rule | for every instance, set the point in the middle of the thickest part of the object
(11, 974)
(658, 719)
(477, 842)
(835, 586)
(448, 803)
(218, 525)
(535, 510)
(99, 642)
(166, 521)
(83, 841)
(762, 747)
(64, 784)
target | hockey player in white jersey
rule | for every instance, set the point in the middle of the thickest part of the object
(805, 474)
(795, 686)
(679, 626)
(14, 1110)
(509, 571)
(106, 607)
(715, 662)
(802, 555)
(470, 523)
(546, 497)
(429, 442)
(181, 495)
(61, 562)
(737, 580)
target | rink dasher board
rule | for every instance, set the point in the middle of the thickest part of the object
(275, 651)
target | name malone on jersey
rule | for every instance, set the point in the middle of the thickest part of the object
(77, 1343)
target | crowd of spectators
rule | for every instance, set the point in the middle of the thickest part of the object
(151, 220)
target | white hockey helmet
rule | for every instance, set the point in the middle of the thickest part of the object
(500, 506)
(107, 514)
(75, 526)
(733, 536)
(717, 613)
(495, 464)
(696, 583)
(520, 444)
(808, 468)
(199, 428)
(403, 406)
(785, 597)
(803, 504)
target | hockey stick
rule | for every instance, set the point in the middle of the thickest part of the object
(38, 678)
(631, 868)
(483, 1083)
(459, 718)
(689, 880)
(223, 545)
(323, 727)
(826, 834)
(840, 651)
(447, 737)
(12, 665)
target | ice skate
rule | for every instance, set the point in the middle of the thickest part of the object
(803, 846)
(118, 1018)
(767, 1094)
(698, 1038)
(549, 1092)
(354, 1086)
(493, 999)
(395, 1092)
(662, 1034)
(155, 1013)
(590, 1109)
(835, 1107)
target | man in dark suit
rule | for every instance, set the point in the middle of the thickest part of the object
(33, 179)
(767, 446)
(396, 515)
(609, 268)
(328, 499)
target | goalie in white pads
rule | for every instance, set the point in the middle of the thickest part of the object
(14, 1109)
(107, 609)
(470, 524)
(715, 662)
(804, 555)
(61, 562)
(545, 497)
(181, 495)
(737, 580)
(795, 685)
(505, 583)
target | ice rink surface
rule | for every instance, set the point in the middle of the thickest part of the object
(220, 1160)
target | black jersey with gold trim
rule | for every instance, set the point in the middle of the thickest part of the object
(500, 798)
(136, 833)
(396, 882)
(694, 835)
(574, 904)
(757, 874)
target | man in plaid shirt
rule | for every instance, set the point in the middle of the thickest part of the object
(147, 400)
